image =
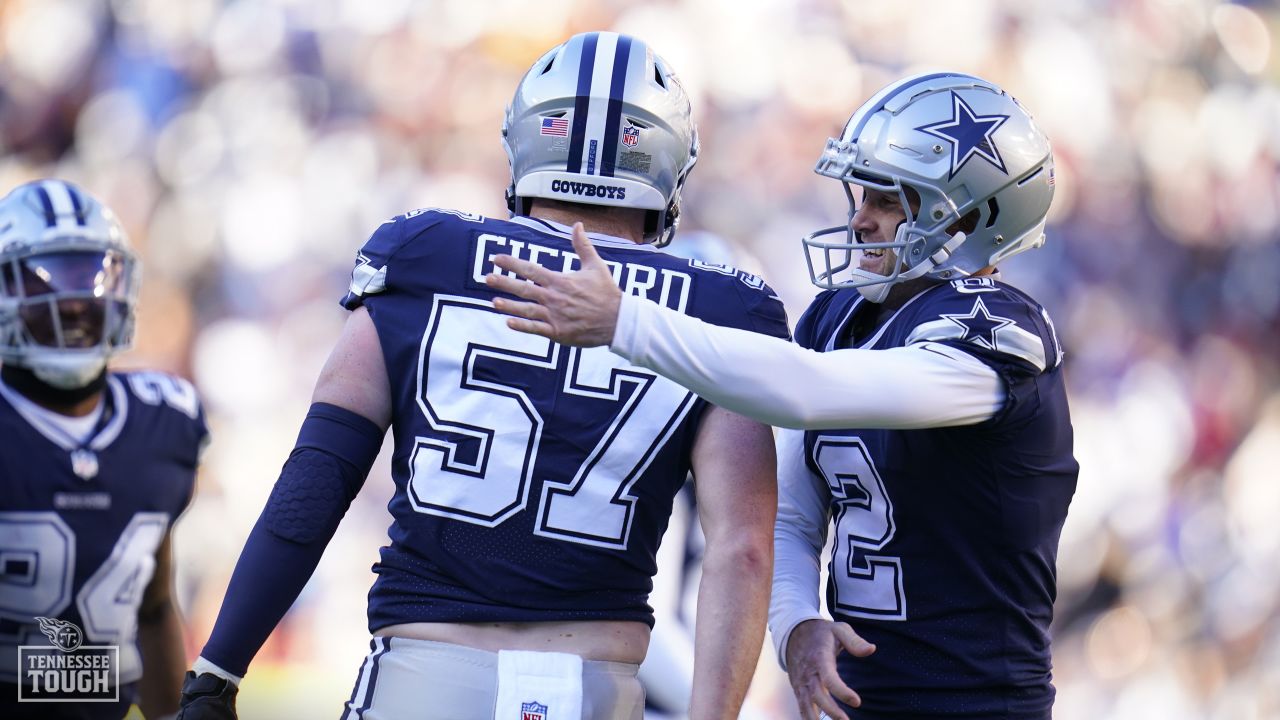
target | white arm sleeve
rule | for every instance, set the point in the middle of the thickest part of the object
(798, 537)
(780, 383)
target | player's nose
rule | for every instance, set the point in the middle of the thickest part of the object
(862, 221)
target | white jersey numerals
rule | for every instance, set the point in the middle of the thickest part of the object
(867, 584)
(489, 481)
(154, 388)
(38, 551)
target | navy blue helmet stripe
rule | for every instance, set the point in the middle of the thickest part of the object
(885, 101)
(577, 137)
(49, 217)
(75, 203)
(613, 117)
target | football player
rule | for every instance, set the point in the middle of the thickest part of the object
(533, 481)
(927, 397)
(95, 467)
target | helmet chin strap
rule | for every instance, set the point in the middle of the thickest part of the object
(26, 382)
(69, 372)
(875, 293)
(876, 287)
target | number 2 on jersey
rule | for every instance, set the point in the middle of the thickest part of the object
(866, 584)
(594, 507)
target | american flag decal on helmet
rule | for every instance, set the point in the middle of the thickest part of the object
(555, 127)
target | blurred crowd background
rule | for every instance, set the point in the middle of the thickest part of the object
(250, 146)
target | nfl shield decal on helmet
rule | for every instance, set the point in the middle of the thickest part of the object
(533, 711)
(630, 135)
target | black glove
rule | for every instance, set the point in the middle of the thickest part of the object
(207, 697)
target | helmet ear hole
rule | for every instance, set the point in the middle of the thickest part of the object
(967, 224)
(994, 207)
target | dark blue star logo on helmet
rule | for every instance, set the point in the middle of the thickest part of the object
(969, 135)
(979, 325)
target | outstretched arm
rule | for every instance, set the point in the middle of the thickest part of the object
(734, 475)
(764, 378)
(336, 446)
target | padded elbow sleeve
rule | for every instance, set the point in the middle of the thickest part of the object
(325, 471)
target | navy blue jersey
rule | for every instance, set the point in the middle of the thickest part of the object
(80, 525)
(533, 481)
(946, 538)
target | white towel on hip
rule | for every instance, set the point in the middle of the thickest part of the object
(538, 686)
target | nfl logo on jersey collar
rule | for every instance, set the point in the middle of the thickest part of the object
(84, 463)
(533, 711)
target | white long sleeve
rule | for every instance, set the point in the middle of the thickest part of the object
(798, 537)
(783, 384)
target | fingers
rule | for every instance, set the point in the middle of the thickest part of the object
(532, 327)
(523, 268)
(832, 684)
(816, 703)
(526, 310)
(811, 659)
(526, 317)
(829, 707)
(809, 711)
(582, 245)
(514, 286)
(852, 641)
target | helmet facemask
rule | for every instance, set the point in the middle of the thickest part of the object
(833, 264)
(980, 170)
(67, 291)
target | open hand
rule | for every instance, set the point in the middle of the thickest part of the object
(811, 667)
(576, 308)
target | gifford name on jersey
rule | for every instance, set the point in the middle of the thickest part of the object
(665, 286)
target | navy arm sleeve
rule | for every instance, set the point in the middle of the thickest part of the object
(326, 469)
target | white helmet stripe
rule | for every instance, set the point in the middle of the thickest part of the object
(595, 80)
(61, 207)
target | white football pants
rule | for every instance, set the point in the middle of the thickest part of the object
(407, 679)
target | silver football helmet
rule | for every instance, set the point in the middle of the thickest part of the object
(68, 283)
(601, 119)
(981, 168)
